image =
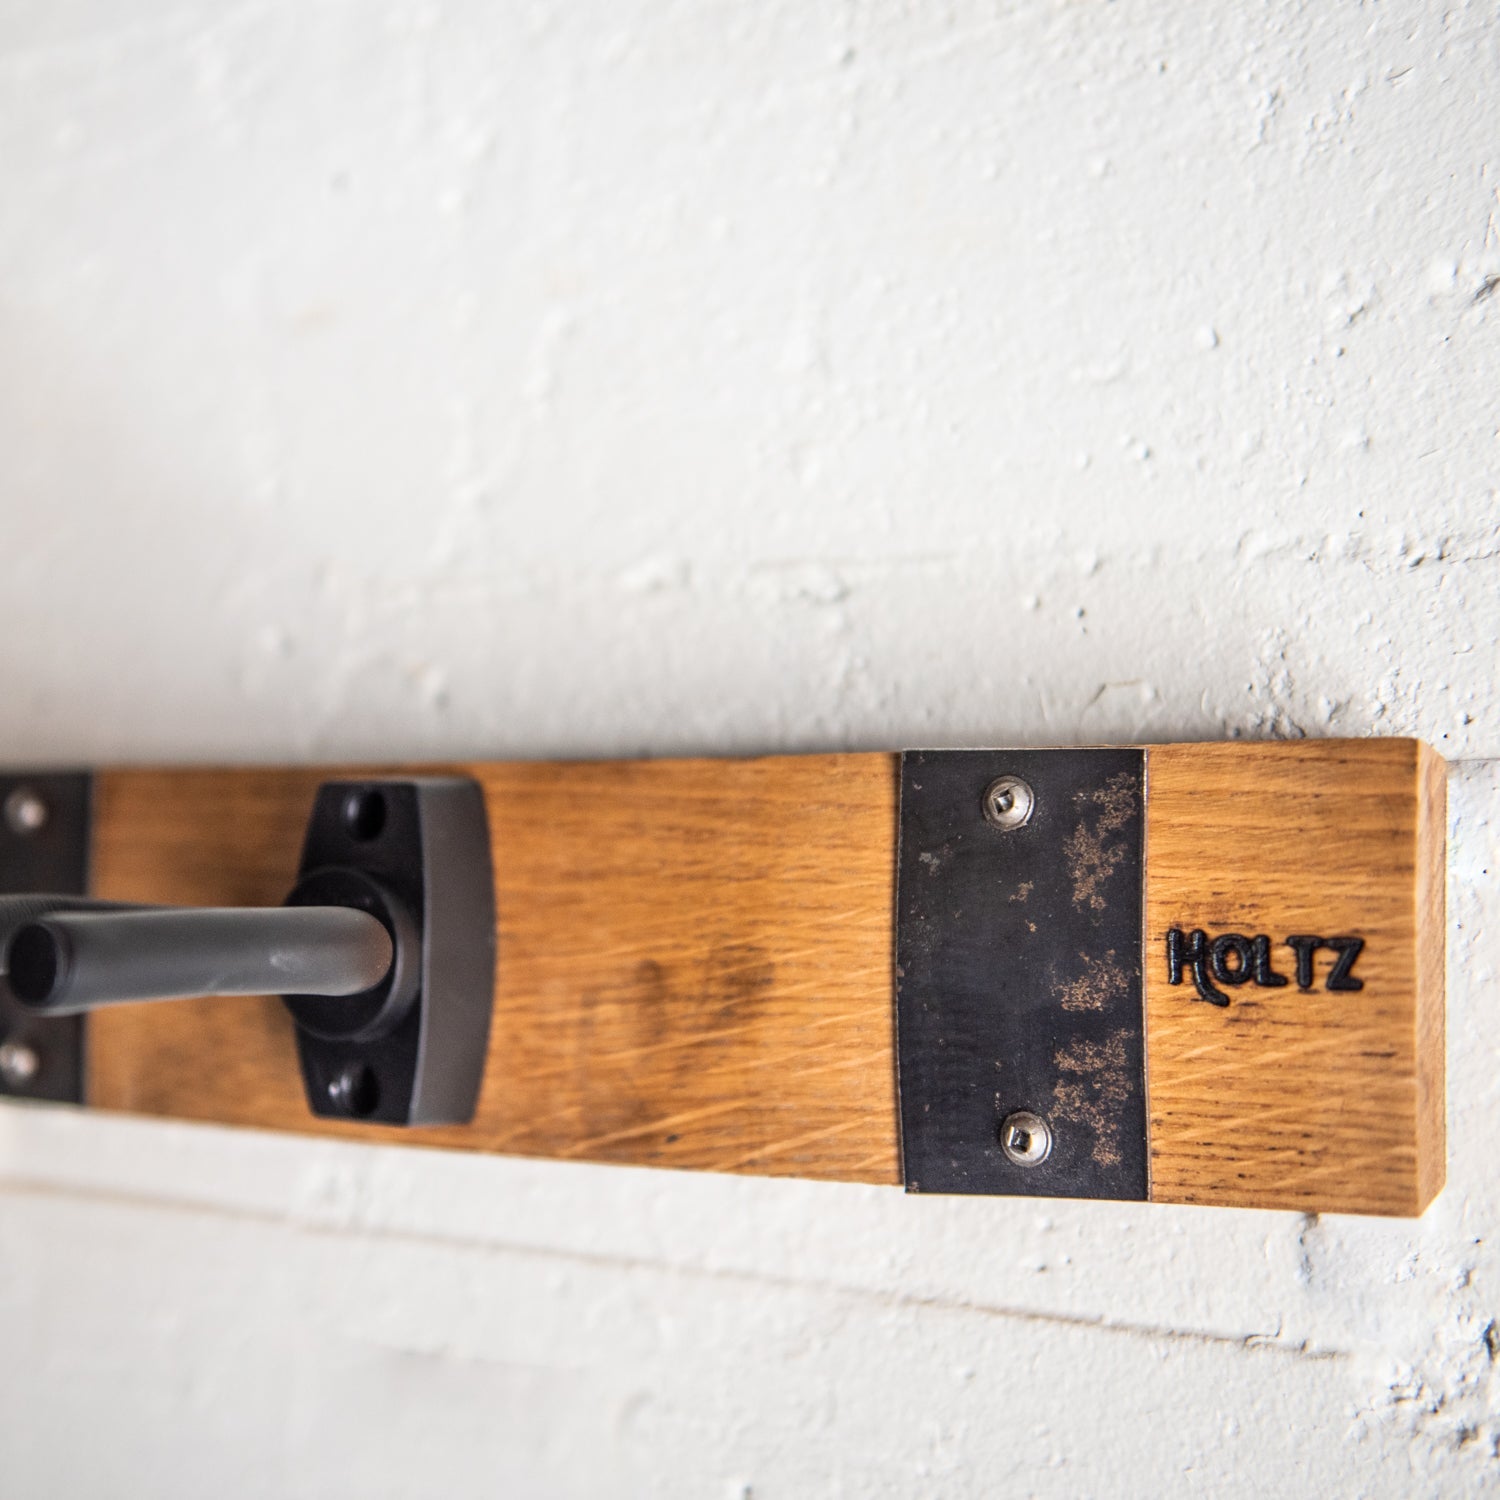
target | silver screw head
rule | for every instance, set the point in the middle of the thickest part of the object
(1008, 802)
(26, 811)
(1025, 1138)
(18, 1064)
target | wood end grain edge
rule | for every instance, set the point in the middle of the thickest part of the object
(1432, 944)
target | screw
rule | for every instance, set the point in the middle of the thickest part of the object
(354, 1091)
(1008, 802)
(364, 814)
(1025, 1138)
(26, 812)
(19, 1064)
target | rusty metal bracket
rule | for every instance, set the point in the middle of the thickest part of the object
(1020, 1036)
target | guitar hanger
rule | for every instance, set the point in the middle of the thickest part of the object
(1185, 973)
(383, 951)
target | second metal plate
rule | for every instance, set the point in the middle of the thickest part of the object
(44, 846)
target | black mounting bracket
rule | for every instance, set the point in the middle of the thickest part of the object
(416, 855)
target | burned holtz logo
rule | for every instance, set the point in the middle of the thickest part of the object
(1234, 960)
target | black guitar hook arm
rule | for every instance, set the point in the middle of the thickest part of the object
(64, 955)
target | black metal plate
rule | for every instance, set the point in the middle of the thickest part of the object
(1018, 973)
(53, 858)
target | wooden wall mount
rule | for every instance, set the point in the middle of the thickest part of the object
(695, 965)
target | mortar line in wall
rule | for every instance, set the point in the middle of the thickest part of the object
(1268, 1343)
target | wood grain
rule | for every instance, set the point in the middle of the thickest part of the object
(1323, 1101)
(694, 960)
(694, 966)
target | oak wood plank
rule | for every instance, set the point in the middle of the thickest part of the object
(693, 970)
(694, 965)
(1325, 1101)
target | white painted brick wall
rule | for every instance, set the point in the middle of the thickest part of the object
(650, 377)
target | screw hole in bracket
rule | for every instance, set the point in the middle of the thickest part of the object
(364, 815)
(355, 1091)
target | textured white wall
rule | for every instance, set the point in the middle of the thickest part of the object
(644, 377)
